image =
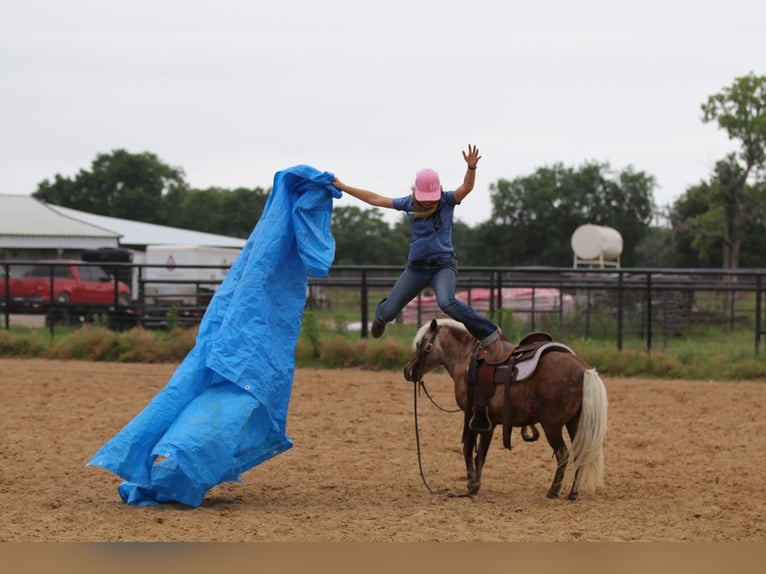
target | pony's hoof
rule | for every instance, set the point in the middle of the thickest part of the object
(552, 494)
(572, 496)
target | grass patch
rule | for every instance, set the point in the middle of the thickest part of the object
(87, 343)
(706, 355)
(23, 343)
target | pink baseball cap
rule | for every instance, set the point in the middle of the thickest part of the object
(427, 186)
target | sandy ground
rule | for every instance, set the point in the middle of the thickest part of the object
(684, 461)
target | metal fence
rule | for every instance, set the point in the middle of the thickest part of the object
(651, 305)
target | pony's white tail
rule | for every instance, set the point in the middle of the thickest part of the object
(588, 444)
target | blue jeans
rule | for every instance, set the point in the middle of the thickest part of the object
(441, 275)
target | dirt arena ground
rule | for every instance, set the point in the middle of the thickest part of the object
(684, 462)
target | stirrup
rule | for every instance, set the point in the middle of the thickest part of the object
(472, 423)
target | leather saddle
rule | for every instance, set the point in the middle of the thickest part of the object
(516, 363)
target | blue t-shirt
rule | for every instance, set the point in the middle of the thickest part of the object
(431, 236)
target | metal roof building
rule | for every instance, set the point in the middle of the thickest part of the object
(31, 229)
(29, 224)
(137, 235)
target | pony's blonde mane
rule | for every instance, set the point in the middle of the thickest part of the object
(443, 322)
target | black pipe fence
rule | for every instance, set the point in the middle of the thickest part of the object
(593, 303)
(611, 304)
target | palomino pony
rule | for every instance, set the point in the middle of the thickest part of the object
(561, 391)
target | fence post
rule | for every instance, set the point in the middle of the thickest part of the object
(115, 292)
(649, 312)
(492, 296)
(499, 297)
(561, 308)
(758, 330)
(364, 298)
(7, 295)
(51, 303)
(620, 283)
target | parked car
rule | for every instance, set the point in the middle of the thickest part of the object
(74, 283)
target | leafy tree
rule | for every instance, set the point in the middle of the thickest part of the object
(740, 109)
(732, 203)
(120, 184)
(143, 188)
(468, 244)
(198, 209)
(362, 237)
(753, 253)
(242, 208)
(216, 210)
(533, 217)
(688, 246)
(655, 249)
(711, 226)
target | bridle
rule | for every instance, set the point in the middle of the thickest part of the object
(420, 384)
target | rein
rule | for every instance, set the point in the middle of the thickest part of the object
(415, 388)
(421, 384)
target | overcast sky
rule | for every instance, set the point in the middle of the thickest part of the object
(232, 91)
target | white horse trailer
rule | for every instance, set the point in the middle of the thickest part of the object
(168, 280)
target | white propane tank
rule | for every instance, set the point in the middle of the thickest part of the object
(597, 244)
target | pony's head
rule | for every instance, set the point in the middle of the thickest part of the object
(428, 347)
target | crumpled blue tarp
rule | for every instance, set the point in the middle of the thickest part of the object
(224, 410)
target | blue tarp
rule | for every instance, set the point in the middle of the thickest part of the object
(224, 410)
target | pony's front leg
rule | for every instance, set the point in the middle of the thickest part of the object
(473, 465)
(469, 444)
(485, 439)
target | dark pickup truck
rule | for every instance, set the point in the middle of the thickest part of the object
(75, 284)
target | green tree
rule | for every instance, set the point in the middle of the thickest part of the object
(362, 237)
(714, 224)
(655, 249)
(242, 208)
(215, 210)
(732, 203)
(467, 241)
(119, 184)
(686, 208)
(198, 209)
(533, 217)
(753, 253)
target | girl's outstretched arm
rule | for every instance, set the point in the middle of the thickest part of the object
(369, 197)
(471, 159)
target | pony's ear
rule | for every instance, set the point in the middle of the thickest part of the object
(434, 324)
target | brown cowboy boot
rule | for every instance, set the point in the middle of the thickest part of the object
(377, 328)
(494, 350)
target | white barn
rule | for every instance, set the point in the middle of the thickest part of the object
(31, 229)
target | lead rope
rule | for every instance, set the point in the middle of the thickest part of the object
(417, 434)
(415, 388)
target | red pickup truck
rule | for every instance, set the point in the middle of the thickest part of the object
(74, 283)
